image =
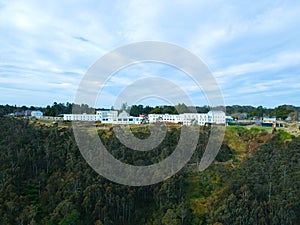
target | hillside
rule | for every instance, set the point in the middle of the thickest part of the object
(255, 179)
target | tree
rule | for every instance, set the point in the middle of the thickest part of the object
(182, 108)
(71, 219)
(136, 110)
(182, 211)
(156, 110)
(168, 110)
(125, 107)
(283, 111)
(260, 112)
(170, 218)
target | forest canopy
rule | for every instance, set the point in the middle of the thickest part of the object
(255, 179)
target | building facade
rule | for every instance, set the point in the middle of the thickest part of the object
(194, 119)
(169, 118)
(212, 117)
(216, 117)
(104, 116)
(125, 118)
(112, 117)
(82, 117)
(107, 116)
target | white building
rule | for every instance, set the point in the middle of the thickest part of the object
(105, 116)
(171, 118)
(101, 115)
(82, 117)
(212, 117)
(112, 117)
(194, 119)
(125, 118)
(216, 117)
(36, 113)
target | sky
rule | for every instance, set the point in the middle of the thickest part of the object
(252, 48)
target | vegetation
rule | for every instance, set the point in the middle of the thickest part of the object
(255, 179)
(237, 111)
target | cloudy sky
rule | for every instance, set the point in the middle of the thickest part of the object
(252, 49)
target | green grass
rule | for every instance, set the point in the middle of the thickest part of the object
(283, 135)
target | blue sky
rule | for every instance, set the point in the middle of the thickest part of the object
(252, 48)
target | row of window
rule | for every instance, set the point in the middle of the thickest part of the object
(95, 118)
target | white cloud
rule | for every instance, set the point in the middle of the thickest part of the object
(141, 20)
(251, 47)
(283, 60)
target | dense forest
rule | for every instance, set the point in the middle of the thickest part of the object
(255, 179)
(237, 111)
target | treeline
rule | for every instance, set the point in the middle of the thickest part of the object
(236, 111)
(136, 110)
(56, 109)
(280, 112)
